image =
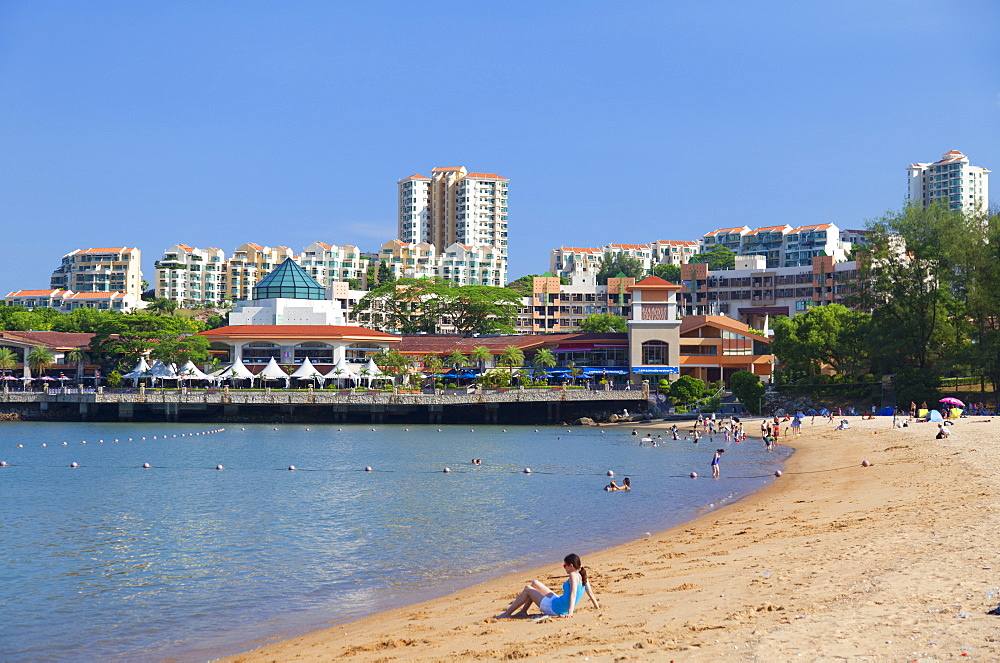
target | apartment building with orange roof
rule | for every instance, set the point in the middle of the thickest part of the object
(952, 180)
(113, 269)
(65, 301)
(783, 245)
(196, 276)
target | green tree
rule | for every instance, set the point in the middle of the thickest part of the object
(432, 362)
(670, 273)
(421, 305)
(8, 359)
(162, 306)
(613, 264)
(510, 357)
(907, 283)
(603, 323)
(81, 320)
(114, 379)
(457, 360)
(718, 257)
(831, 335)
(131, 335)
(544, 358)
(39, 359)
(181, 348)
(385, 273)
(747, 388)
(78, 356)
(481, 355)
(686, 389)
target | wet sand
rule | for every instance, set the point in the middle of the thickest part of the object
(834, 561)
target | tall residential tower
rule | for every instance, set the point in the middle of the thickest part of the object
(951, 180)
(454, 206)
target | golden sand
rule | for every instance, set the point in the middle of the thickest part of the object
(834, 561)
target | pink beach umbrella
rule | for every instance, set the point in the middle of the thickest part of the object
(952, 401)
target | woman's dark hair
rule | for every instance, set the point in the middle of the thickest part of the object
(574, 560)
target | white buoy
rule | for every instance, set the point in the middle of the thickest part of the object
(145, 466)
(74, 464)
(446, 470)
(308, 429)
(130, 439)
(368, 468)
(21, 446)
(275, 429)
(373, 430)
(505, 430)
(610, 473)
(3, 463)
(64, 444)
(44, 445)
(154, 437)
(407, 430)
(292, 467)
(219, 467)
(865, 463)
(144, 438)
(84, 442)
(175, 436)
(527, 470)
(777, 473)
(472, 430)
(694, 475)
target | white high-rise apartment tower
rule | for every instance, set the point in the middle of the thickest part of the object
(951, 180)
(454, 206)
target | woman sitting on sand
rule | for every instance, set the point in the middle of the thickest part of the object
(547, 600)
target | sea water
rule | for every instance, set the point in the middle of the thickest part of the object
(184, 561)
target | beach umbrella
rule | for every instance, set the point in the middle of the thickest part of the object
(952, 401)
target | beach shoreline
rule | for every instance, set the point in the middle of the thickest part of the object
(832, 560)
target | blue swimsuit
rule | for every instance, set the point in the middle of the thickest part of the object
(560, 604)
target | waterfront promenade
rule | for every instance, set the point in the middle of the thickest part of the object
(515, 405)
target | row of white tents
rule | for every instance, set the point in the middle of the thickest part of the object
(342, 370)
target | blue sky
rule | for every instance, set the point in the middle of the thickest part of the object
(218, 123)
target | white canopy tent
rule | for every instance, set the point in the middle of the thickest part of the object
(141, 370)
(191, 372)
(235, 370)
(161, 371)
(371, 372)
(342, 371)
(273, 372)
(308, 372)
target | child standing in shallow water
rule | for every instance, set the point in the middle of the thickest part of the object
(715, 462)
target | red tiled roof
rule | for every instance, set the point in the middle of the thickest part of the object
(692, 322)
(95, 295)
(443, 344)
(114, 249)
(487, 176)
(654, 282)
(579, 250)
(821, 226)
(297, 331)
(442, 170)
(35, 293)
(757, 230)
(724, 230)
(675, 242)
(415, 177)
(630, 246)
(49, 339)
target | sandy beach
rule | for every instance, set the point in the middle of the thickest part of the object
(834, 561)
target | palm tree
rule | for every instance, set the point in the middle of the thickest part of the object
(432, 362)
(544, 358)
(481, 354)
(511, 356)
(457, 359)
(39, 359)
(80, 357)
(162, 306)
(8, 359)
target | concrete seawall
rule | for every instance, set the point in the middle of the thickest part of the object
(442, 406)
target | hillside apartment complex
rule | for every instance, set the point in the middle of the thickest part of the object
(952, 180)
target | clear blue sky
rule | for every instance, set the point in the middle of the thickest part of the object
(215, 123)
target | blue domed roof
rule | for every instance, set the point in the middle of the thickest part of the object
(288, 281)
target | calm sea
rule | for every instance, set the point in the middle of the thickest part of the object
(112, 561)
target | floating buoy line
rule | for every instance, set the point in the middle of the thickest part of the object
(445, 470)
